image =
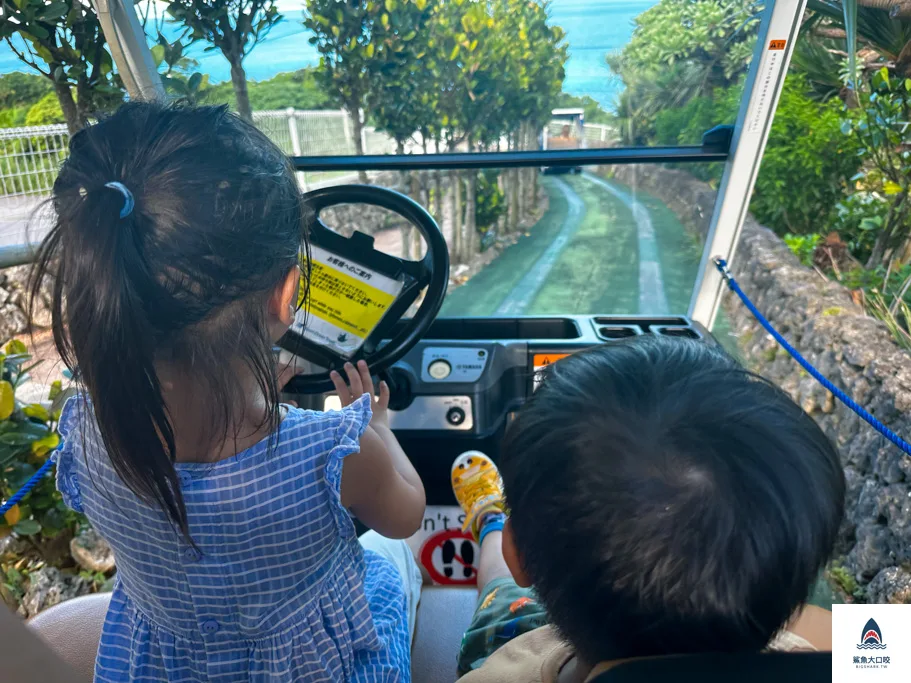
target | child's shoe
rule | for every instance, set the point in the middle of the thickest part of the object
(477, 486)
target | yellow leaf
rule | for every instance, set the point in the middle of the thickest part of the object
(370, 50)
(890, 187)
(454, 53)
(15, 347)
(7, 400)
(384, 20)
(13, 515)
(42, 447)
(38, 411)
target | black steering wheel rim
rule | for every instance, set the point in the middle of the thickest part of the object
(431, 271)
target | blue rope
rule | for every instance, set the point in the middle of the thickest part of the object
(899, 442)
(29, 485)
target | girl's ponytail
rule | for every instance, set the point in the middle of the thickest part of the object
(105, 279)
(173, 227)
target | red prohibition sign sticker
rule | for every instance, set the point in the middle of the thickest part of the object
(449, 557)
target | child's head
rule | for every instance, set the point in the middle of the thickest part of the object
(665, 501)
(194, 281)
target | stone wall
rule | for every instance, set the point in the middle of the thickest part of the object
(856, 352)
(14, 303)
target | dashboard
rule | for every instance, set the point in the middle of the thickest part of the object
(458, 387)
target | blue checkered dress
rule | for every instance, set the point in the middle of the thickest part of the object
(279, 589)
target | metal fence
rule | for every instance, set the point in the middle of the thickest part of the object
(31, 156)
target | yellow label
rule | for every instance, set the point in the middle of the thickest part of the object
(344, 301)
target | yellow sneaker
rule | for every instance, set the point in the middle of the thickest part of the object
(477, 486)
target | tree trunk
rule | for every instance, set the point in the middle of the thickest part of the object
(415, 248)
(357, 132)
(525, 175)
(239, 81)
(407, 180)
(455, 188)
(438, 190)
(68, 106)
(438, 196)
(471, 215)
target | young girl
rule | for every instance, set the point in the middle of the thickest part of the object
(175, 253)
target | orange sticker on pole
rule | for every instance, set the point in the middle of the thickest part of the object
(777, 44)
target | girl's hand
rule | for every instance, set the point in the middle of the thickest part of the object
(285, 372)
(360, 383)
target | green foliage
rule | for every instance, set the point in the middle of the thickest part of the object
(180, 78)
(401, 98)
(887, 296)
(803, 246)
(28, 434)
(491, 202)
(295, 89)
(64, 43)
(679, 50)
(879, 127)
(685, 125)
(843, 580)
(807, 163)
(19, 89)
(342, 34)
(45, 112)
(13, 117)
(859, 218)
(232, 27)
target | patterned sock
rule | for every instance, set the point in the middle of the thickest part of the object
(490, 521)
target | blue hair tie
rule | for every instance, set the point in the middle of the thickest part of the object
(128, 201)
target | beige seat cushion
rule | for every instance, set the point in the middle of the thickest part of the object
(443, 616)
(73, 629)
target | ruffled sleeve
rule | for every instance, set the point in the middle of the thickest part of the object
(67, 466)
(352, 422)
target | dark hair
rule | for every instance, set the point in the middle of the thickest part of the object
(666, 501)
(184, 278)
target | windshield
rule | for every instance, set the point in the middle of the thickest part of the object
(411, 77)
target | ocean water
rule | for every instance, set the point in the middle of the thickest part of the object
(594, 28)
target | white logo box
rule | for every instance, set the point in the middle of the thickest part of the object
(871, 643)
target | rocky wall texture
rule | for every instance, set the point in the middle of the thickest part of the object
(855, 351)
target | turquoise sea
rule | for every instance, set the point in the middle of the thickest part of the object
(593, 27)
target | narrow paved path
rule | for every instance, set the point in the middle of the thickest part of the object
(652, 297)
(521, 296)
(600, 248)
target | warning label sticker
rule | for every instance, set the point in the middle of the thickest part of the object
(777, 44)
(346, 302)
(542, 360)
(449, 558)
(447, 555)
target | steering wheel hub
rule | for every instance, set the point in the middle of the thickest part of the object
(356, 295)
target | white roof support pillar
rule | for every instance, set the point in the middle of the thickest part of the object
(127, 43)
(777, 35)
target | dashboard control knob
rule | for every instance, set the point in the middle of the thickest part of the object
(439, 369)
(455, 416)
(401, 393)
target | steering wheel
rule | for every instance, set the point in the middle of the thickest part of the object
(432, 272)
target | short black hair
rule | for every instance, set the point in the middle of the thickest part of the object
(666, 501)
